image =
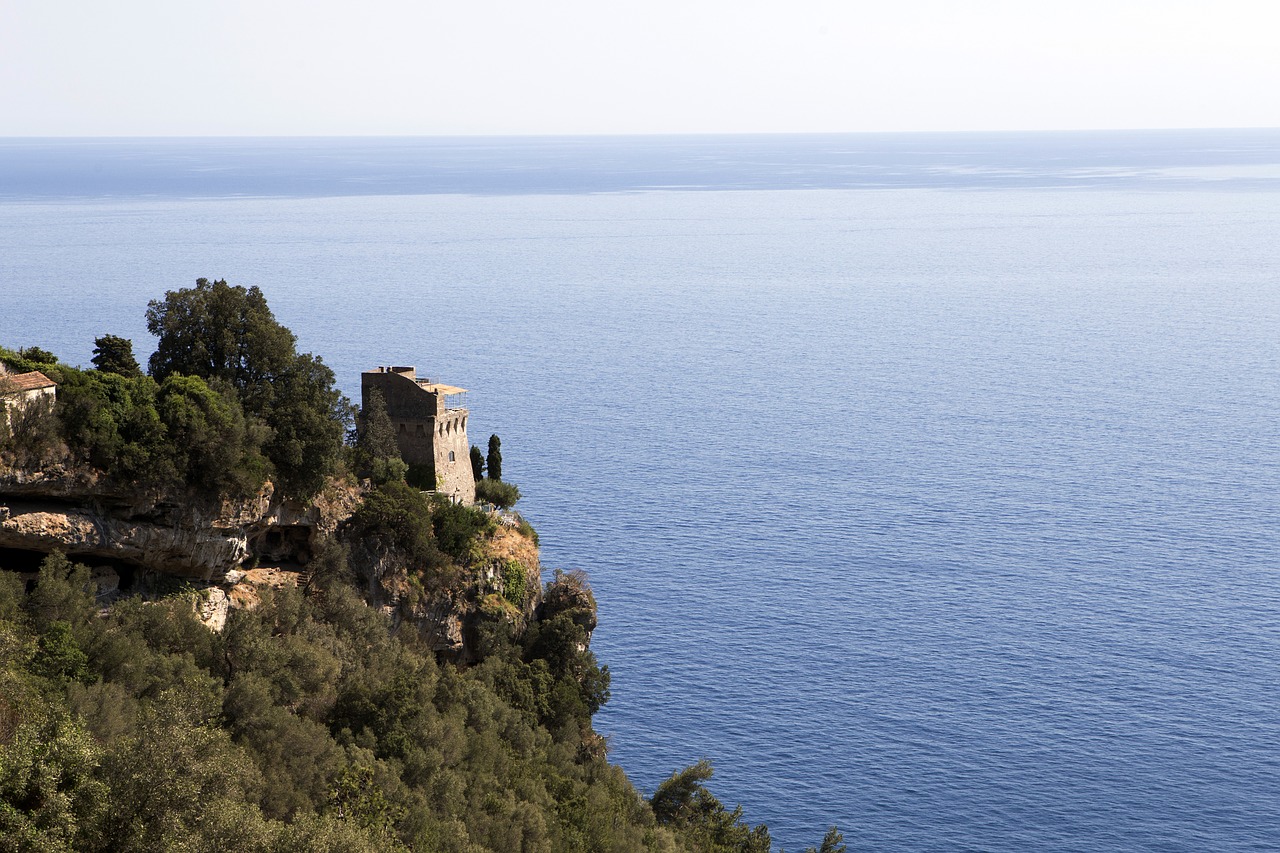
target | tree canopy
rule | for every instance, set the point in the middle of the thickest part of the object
(228, 335)
(216, 331)
(377, 453)
(112, 354)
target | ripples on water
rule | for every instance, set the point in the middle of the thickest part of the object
(949, 517)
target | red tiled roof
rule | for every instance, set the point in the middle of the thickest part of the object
(32, 381)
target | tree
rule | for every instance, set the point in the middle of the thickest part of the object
(213, 448)
(38, 355)
(308, 418)
(832, 842)
(676, 794)
(112, 354)
(683, 802)
(477, 463)
(111, 422)
(214, 330)
(494, 459)
(49, 796)
(377, 453)
(219, 332)
(30, 432)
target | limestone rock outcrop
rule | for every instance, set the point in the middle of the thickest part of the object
(227, 553)
(79, 515)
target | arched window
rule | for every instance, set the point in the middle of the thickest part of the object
(452, 457)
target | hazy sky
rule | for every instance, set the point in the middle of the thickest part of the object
(182, 67)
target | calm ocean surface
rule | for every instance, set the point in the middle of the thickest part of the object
(929, 484)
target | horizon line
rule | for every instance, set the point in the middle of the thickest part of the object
(642, 134)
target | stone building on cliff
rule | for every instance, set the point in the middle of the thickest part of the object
(20, 390)
(431, 435)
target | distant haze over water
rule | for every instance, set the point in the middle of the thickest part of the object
(167, 168)
(949, 517)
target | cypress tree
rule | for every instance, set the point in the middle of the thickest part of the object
(477, 463)
(379, 454)
(494, 459)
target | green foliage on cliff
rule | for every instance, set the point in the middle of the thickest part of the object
(229, 402)
(497, 492)
(401, 516)
(228, 334)
(515, 582)
(304, 725)
(684, 802)
(112, 423)
(213, 444)
(114, 354)
(377, 455)
(458, 528)
(308, 725)
(178, 435)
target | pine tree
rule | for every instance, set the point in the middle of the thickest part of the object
(113, 354)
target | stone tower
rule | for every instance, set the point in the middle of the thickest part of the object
(432, 437)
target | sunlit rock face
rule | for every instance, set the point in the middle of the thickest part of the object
(228, 553)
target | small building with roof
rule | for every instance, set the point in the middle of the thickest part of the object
(19, 390)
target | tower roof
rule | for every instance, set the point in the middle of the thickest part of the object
(439, 388)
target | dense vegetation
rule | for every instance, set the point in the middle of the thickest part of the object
(228, 404)
(307, 723)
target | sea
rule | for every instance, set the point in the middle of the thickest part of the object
(928, 483)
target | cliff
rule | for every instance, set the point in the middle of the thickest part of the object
(224, 550)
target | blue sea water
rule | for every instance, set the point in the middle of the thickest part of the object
(928, 483)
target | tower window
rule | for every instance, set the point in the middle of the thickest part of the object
(452, 458)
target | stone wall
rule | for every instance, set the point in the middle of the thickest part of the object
(453, 473)
(427, 434)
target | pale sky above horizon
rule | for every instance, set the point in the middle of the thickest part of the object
(391, 67)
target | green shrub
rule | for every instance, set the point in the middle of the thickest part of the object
(527, 531)
(400, 514)
(497, 492)
(111, 422)
(420, 476)
(31, 433)
(515, 582)
(459, 528)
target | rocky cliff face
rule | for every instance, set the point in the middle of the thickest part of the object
(230, 549)
(502, 585)
(74, 512)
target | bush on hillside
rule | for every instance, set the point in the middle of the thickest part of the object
(497, 492)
